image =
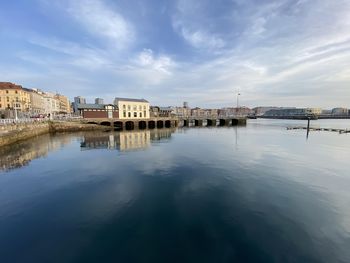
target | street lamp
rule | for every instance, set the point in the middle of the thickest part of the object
(238, 94)
(237, 109)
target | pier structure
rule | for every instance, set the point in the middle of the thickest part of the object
(211, 122)
(165, 122)
(134, 124)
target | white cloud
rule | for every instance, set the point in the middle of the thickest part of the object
(101, 20)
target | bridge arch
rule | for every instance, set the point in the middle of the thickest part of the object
(92, 122)
(151, 124)
(129, 125)
(105, 123)
(234, 122)
(222, 122)
(185, 122)
(118, 125)
(142, 125)
(167, 124)
(160, 124)
(211, 122)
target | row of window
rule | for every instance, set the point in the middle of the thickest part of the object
(134, 107)
(135, 114)
(7, 91)
(8, 106)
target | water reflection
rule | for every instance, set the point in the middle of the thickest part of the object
(124, 141)
(22, 153)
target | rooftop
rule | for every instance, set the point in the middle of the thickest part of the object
(93, 106)
(9, 85)
(129, 99)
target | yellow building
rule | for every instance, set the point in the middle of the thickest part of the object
(64, 104)
(132, 108)
(37, 104)
(13, 96)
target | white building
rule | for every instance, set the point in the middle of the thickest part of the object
(132, 108)
(52, 104)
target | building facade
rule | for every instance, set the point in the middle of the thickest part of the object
(78, 100)
(132, 108)
(64, 104)
(340, 111)
(280, 112)
(51, 104)
(98, 111)
(37, 102)
(99, 101)
(14, 97)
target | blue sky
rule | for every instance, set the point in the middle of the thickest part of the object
(290, 53)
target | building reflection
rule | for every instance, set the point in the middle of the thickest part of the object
(124, 141)
(22, 153)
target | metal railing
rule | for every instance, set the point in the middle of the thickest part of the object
(24, 120)
(35, 120)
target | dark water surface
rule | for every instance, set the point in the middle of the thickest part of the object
(258, 193)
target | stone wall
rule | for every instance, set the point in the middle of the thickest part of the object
(13, 133)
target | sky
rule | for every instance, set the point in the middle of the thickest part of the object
(273, 52)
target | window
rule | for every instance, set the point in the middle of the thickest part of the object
(144, 107)
(124, 106)
(140, 108)
(8, 105)
(144, 114)
(124, 114)
(135, 114)
(135, 108)
(129, 114)
(16, 91)
(129, 107)
(7, 91)
(8, 99)
(140, 114)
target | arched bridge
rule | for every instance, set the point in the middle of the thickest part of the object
(132, 124)
(211, 121)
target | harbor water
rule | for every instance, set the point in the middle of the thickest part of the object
(254, 193)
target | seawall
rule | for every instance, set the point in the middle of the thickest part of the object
(13, 133)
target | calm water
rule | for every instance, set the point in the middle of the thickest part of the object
(258, 193)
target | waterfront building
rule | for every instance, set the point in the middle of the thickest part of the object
(260, 111)
(98, 111)
(64, 104)
(132, 108)
(51, 104)
(280, 112)
(78, 100)
(14, 97)
(156, 111)
(99, 101)
(340, 111)
(182, 112)
(240, 111)
(37, 105)
(211, 113)
(198, 112)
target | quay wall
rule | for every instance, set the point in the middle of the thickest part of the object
(13, 133)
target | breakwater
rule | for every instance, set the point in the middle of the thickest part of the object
(13, 133)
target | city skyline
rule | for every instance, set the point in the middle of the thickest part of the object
(283, 53)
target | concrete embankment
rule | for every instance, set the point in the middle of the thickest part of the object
(13, 133)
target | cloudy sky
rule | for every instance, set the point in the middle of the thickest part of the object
(274, 52)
